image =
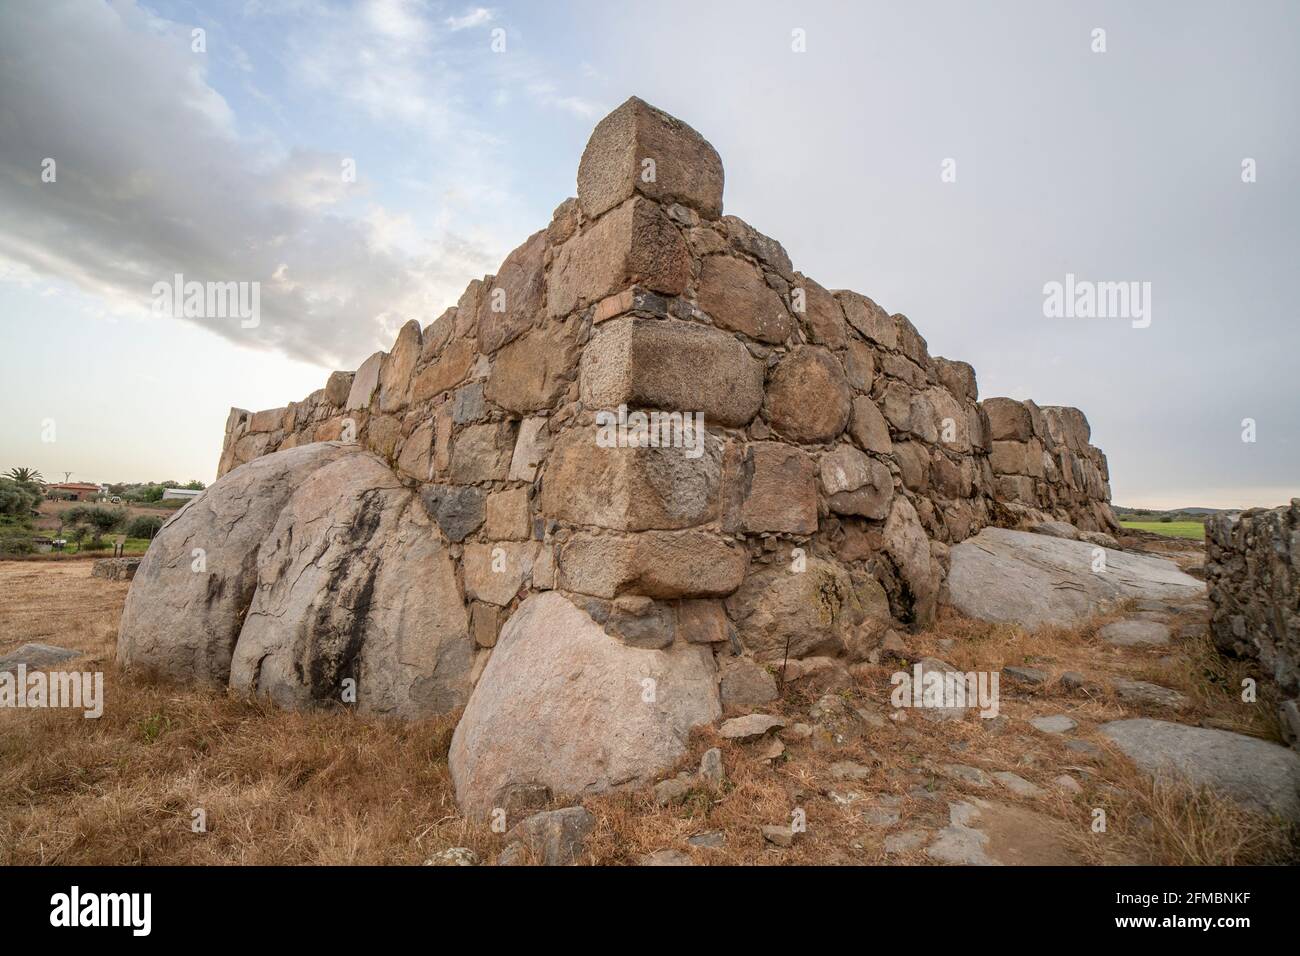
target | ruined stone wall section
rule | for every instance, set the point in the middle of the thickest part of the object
(839, 459)
(1044, 466)
(1253, 576)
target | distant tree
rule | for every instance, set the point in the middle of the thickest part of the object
(18, 498)
(77, 535)
(145, 493)
(25, 475)
(99, 521)
(195, 486)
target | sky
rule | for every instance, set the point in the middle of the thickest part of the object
(363, 161)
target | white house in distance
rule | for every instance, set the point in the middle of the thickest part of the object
(174, 494)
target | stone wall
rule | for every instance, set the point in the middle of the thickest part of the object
(1044, 465)
(832, 441)
(1253, 575)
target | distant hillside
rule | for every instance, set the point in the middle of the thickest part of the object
(1121, 510)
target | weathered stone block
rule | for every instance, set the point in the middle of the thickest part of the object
(1009, 420)
(671, 365)
(868, 427)
(635, 244)
(855, 484)
(533, 372)
(266, 421)
(745, 683)
(913, 464)
(458, 510)
(482, 453)
(702, 622)
(807, 397)
(765, 249)
(531, 448)
(396, 370)
(508, 515)
(382, 434)
(364, 382)
(484, 623)
(496, 571)
(958, 378)
(654, 563)
(822, 317)
(513, 302)
(338, 387)
(447, 371)
(416, 459)
(630, 488)
(738, 299)
(468, 405)
(909, 549)
(780, 490)
(869, 319)
(910, 342)
(859, 365)
(809, 612)
(639, 149)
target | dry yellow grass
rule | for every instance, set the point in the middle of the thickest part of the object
(330, 787)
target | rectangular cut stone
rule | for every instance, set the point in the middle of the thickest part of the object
(495, 572)
(672, 365)
(338, 387)
(266, 421)
(508, 515)
(447, 371)
(533, 372)
(637, 138)
(635, 244)
(1009, 420)
(443, 428)
(654, 563)
(1018, 488)
(630, 488)
(482, 453)
(484, 623)
(781, 490)
(382, 434)
(702, 622)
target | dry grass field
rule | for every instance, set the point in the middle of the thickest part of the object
(333, 788)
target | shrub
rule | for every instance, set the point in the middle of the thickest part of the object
(16, 539)
(143, 526)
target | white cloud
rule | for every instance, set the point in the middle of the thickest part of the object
(152, 180)
(472, 18)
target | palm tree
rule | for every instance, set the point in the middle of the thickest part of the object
(25, 474)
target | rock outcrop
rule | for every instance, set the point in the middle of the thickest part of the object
(714, 461)
(1036, 579)
(1253, 575)
(310, 576)
(563, 706)
(1259, 774)
(189, 596)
